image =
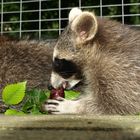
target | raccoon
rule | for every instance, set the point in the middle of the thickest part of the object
(25, 60)
(104, 56)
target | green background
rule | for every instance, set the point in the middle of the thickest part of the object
(48, 16)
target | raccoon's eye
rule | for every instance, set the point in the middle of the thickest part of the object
(65, 68)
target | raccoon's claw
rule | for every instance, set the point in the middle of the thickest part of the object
(52, 105)
(52, 101)
(60, 99)
(51, 109)
(60, 106)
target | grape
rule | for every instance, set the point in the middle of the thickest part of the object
(57, 93)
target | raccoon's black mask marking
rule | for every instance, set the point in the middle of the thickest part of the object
(66, 68)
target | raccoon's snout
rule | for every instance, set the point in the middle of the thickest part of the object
(58, 81)
(64, 85)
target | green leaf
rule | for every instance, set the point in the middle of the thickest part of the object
(70, 95)
(43, 96)
(27, 107)
(33, 101)
(13, 112)
(14, 93)
(35, 110)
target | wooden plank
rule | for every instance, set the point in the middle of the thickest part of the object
(73, 127)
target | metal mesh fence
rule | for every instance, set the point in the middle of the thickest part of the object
(47, 18)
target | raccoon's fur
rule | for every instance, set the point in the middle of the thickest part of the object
(104, 56)
(25, 60)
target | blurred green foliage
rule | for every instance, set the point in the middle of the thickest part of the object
(50, 15)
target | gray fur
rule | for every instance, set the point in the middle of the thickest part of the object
(110, 67)
(25, 60)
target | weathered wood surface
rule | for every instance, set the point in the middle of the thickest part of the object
(69, 127)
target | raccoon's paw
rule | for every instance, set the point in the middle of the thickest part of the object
(61, 106)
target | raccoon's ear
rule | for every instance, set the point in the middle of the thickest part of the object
(74, 13)
(85, 26)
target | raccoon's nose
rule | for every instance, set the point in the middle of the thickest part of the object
(50, 87)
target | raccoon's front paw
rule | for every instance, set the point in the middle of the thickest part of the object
(61, 106)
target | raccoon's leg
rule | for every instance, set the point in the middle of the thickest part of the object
(62, 106)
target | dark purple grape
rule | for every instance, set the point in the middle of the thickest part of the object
(57, 93)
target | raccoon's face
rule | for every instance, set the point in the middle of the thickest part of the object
(65, 73)
(67, 60)
(66, 69)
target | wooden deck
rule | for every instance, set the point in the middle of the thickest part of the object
(69, 127)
